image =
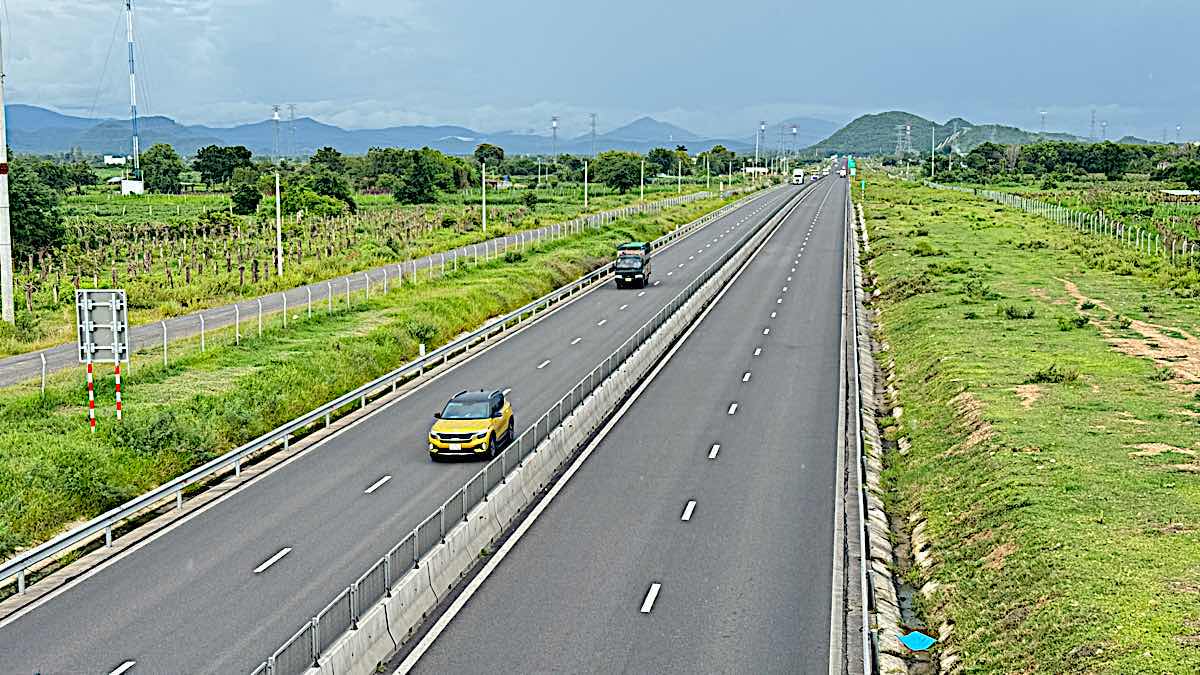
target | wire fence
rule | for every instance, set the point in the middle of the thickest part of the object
(1176, 249)
(344, 612)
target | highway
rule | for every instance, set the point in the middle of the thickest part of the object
(697, 536)
(190, 600)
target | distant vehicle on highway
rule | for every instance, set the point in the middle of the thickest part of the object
(798, 177)
(472, 424)
(825, 172)
(842, 173)
(632, 269)
(815, 177)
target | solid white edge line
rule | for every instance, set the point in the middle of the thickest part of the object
(687, 510)
(712, 453)
(838, 572)
(490, 566)
(122, 668)
(377, 484)
(651, 596)
(273, 559)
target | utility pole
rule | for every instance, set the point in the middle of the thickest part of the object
(593, 134)
(585, 185)
(679, 176)
(795, 142)
(291, 130)
(278, 201)
(707, 174)
(642, 184)
(554, 134)
(483, 187)
(762, 127)
(275, 133)
(6, 263)
(133, 118)
(932, 143)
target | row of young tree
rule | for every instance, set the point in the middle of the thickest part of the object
(1058, 160)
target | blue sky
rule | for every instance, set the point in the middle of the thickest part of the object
(714, 67)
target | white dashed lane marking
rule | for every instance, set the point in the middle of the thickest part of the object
(376, 485)
(543, 364)
(687, 510)
(272, 560)
(651, 596)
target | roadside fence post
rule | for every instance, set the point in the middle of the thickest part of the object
(367, 279)
(201, 315)
(285, 309)
(384, 280)
(308, 289)
(164, 327)
(237, 324)
(43, 355)
(329, 294)
(347, 292)
(259, 317)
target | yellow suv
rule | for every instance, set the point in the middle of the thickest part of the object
(473, 424)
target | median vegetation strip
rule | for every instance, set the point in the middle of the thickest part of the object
(54, 472)
(1050, 403)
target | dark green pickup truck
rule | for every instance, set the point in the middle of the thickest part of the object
(633, 264)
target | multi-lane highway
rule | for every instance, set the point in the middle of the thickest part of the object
(200, 597)
(697, 536)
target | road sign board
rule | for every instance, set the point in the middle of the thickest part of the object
(101, 325)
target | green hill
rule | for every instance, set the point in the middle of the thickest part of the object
(876, 134)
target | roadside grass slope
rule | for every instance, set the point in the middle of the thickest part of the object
(1054, 435)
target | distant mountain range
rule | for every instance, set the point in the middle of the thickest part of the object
(36, 130)
(877, 134)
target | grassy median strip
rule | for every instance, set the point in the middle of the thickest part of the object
(1050, 385)
(54, 472)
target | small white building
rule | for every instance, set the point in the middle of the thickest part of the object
(755, 170)
(132, 187)
(110, 160)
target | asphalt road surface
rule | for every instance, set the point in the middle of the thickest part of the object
(190, 600)
(696, 538)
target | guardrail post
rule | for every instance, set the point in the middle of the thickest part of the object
(271, 665)
(164, 327)
(354, 606)
(326, 419)
(287, 441)
(315, 647)
(387, 576)
(464, 503)
(442, 522)
(237, 468)
(179, 499)
(416, 549)
(21, 582)
(201, 315)
(108, 536)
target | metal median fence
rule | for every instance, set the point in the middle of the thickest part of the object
(304, 649)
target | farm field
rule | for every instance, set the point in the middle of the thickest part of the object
(178, 254)
(1050, 387)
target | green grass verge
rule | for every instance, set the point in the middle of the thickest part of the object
(1054, 441)
(54, 472)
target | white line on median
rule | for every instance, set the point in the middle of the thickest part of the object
(543, 364)
(712, 454)
(272, 560)
(746, 377)
(651, 596)
(732, 408)
(687, 510)
(576, 341)
(123, 667)
(376, 484)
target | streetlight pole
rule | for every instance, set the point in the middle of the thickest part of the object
(483, 191)
(585, 185)
(642, 184)
(679, 176)
(278, 229)
(932, 143)
(6, 263)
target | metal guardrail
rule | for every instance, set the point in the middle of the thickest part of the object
(20, 564)
(303, 650)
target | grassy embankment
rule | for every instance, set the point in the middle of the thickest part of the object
(1050, 385)
(200, 280)
(53, 472)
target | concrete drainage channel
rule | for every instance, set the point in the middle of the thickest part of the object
(423, 569)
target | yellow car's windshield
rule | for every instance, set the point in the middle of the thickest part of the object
(466, 410)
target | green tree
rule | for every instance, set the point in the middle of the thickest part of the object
(418, 185)
(56, 176)
(660, 160)
(329, 184)
(82, 175)
(618, 170)
(246, 197)
(492, 154)
(1108, 158)
(37, 222)
(720, 159)
(330, 159)
(530, 199)
(162, 168)
(216, 164)
(1188, 172)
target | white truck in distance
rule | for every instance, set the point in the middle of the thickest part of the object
(798, 177)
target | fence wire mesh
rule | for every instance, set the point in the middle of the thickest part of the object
(334, 620)
(295, 656)
(372, 586)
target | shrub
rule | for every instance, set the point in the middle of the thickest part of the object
(1162, 374)
(923, 249)
(1014, 312)
(421, 331)
(1052, 374)
(513, 257)
(1124, 322)
(970, 315)
(1087, 304)
(976, 288)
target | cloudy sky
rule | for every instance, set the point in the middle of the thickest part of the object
(713, 66)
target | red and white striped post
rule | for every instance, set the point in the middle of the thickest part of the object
(117, 378)
(91, 398)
